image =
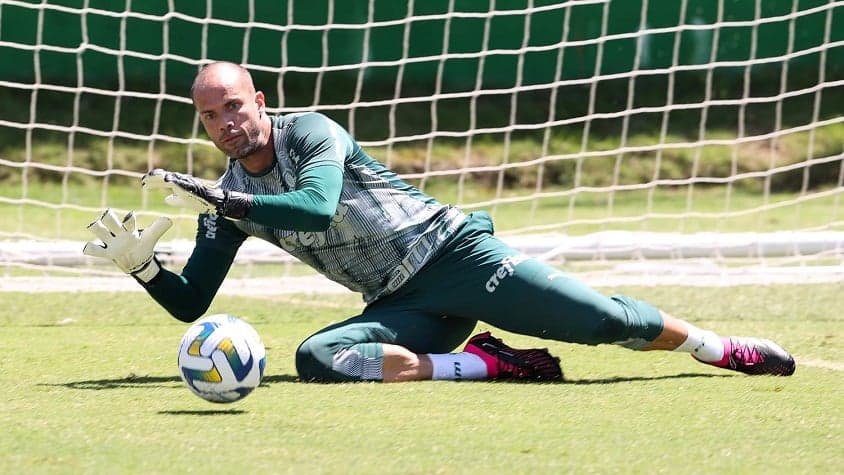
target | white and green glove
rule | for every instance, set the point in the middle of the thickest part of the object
(131, 249)
(187, 191)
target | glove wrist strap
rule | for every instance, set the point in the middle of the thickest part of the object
(235, 204)
(148, 271)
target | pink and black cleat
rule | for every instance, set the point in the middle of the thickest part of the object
(503, 362)
(755, 356)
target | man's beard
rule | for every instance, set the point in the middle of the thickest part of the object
(252, 145)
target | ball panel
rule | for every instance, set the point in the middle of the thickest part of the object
(235, 358)
(206, 329)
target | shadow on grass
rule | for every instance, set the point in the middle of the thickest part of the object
(613, 380)
(131, 381)
(208, 412)
(623, 379)
(135, 381)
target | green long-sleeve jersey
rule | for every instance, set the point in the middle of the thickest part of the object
(327, 203)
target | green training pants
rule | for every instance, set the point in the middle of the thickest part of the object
(475, 277)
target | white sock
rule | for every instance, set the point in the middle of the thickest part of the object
(457, 366)
(702, 344)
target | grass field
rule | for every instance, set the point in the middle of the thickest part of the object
(91, 386)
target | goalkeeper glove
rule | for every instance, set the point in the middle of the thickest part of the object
(189, 192)
(131, 249)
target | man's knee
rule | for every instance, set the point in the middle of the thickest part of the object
(313, 361)
(321, 359)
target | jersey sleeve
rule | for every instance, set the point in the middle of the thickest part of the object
(321, 147)
(188, 295)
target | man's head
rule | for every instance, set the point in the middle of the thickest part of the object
(230, 109)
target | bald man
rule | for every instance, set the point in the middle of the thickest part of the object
(427, 271)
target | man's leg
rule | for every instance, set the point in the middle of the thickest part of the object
(387, 342)
(743, 354)
(390, 343)
(401, 364)
(499, 286)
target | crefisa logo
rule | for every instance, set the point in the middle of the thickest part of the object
(504, 270)
(210, 223)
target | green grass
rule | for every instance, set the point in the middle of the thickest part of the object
(91, 387)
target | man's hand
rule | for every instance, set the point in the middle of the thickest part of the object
(189, 192)
(131, 249)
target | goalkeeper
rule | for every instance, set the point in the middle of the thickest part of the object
(427, 271)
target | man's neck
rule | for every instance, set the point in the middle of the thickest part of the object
(258, 162)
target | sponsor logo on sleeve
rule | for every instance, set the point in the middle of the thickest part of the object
(210, 223)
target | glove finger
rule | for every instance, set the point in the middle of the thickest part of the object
(110, 221)
(95, 250)
(129, 222)
(183, 182)
(155, 179)
(100, 231)
(153, 233)
(183, 199)
(177, 201)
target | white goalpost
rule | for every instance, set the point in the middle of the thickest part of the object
(631, 142)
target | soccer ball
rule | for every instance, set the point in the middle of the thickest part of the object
(221, 358)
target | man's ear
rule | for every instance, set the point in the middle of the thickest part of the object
(260, 100)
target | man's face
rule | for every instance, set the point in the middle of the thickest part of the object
(231, 112)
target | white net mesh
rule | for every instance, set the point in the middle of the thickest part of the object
(683, 138)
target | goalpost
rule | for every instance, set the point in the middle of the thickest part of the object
(632, 141)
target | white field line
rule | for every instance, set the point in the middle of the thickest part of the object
(822, 364)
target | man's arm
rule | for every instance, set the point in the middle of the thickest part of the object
(309, 208)
(188, 295)
(321, 147)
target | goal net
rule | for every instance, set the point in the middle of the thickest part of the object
(665, 142)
